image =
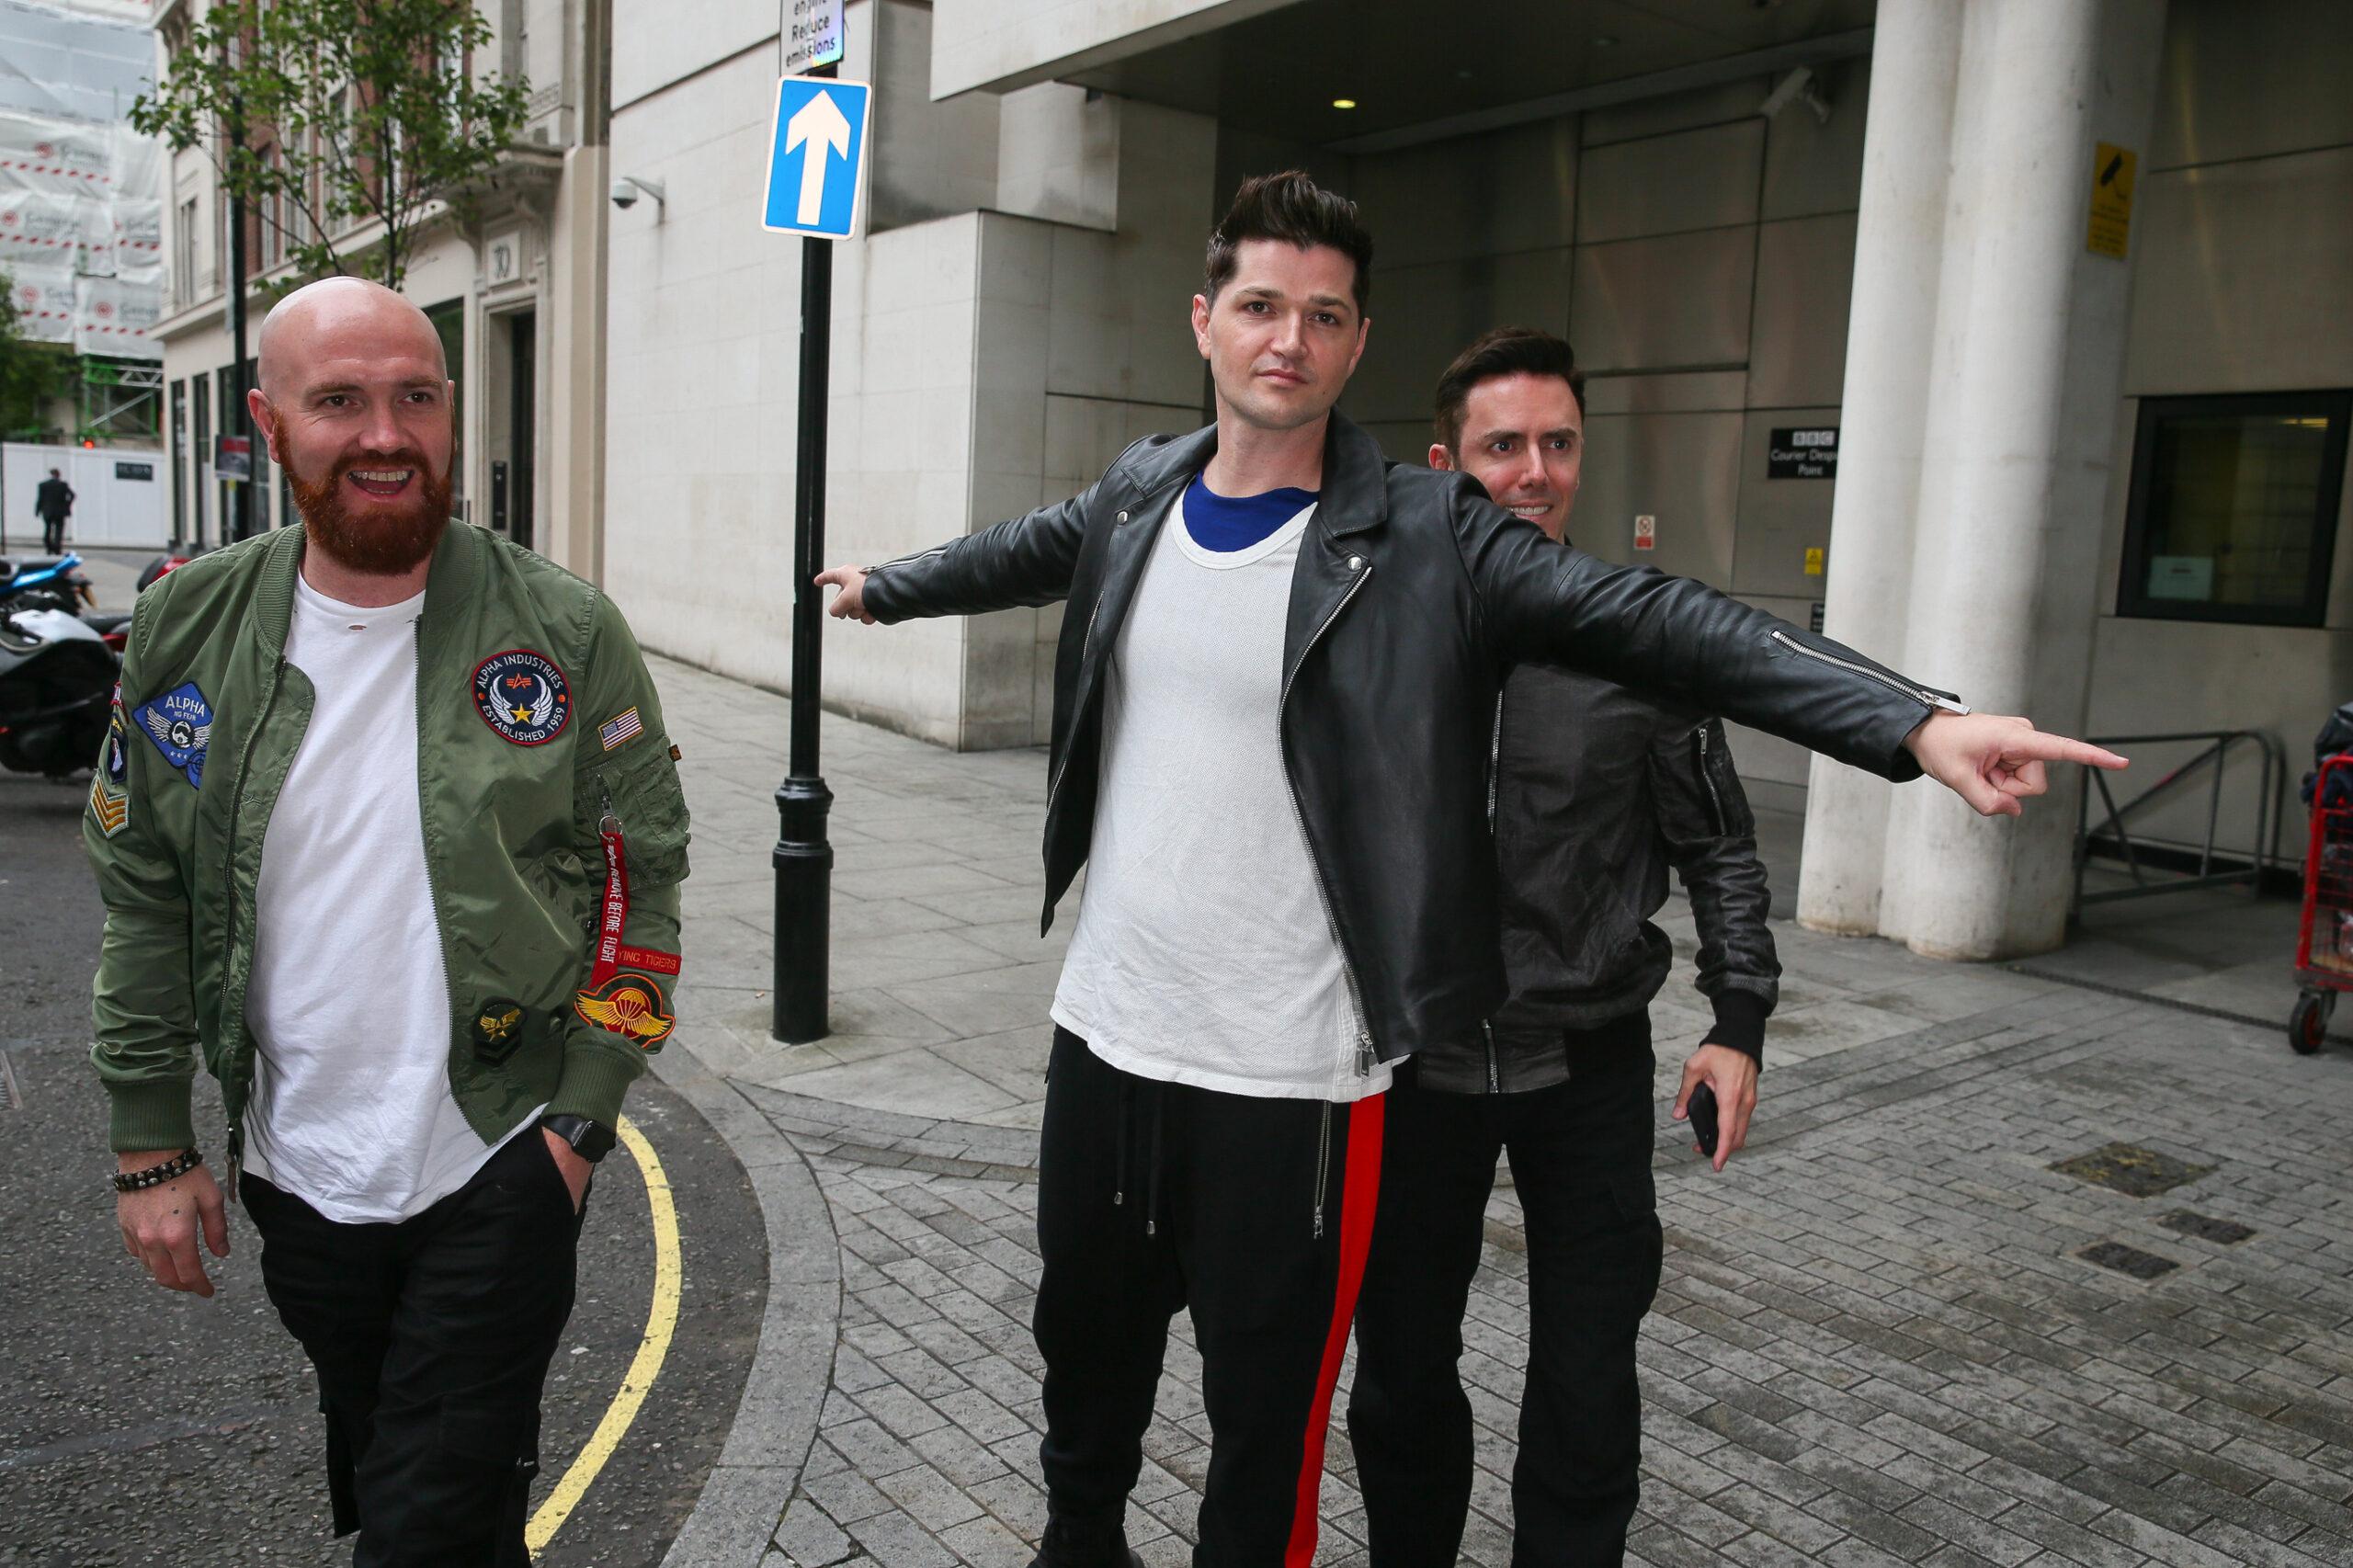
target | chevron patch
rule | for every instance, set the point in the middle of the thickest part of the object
(110, 782)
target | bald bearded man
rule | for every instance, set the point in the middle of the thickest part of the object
(419, 917)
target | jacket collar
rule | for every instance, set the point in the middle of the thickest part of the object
(1355, 474)
(274, 605)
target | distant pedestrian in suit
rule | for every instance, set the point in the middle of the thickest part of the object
(54, 502)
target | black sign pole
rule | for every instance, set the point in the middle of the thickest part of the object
(803, 859)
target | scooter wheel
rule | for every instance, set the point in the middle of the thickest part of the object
(2308, 1024)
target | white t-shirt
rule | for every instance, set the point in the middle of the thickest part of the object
(349, 999)
(1204, 954)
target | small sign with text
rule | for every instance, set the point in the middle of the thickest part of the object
(812, 34)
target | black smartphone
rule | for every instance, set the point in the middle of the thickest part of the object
(1702, 1111)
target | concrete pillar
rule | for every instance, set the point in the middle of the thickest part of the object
(574, 388)
(2021, 424)
(1899, 242)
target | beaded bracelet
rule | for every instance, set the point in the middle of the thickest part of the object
(178, 1165)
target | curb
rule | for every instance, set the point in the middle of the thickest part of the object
(745, 1495)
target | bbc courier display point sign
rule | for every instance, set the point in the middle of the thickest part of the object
(812, 34)
(1803, 454)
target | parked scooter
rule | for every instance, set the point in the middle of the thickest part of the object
(57, 678)
(45, 581)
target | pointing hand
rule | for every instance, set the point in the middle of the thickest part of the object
(851, 600)
(1993, 762)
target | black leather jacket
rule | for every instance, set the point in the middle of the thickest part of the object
(1596, 794)
(1413, 594)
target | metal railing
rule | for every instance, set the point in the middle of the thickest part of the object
(2117, 841)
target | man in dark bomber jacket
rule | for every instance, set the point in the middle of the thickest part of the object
(1596, 792)
(1366, 731)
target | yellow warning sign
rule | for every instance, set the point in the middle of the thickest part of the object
(2111, 222)
(1814, 561)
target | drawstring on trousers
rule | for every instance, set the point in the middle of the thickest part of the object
(1120, 1166)
(1152, 1181)
(1152, 1155)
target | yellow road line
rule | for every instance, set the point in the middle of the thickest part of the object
(661, 1322)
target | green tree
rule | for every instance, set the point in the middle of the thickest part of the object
(360, 116)
(30, 373)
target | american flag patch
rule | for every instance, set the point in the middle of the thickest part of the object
(623, 726)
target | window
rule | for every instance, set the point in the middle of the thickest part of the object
(273, 218)
(2233, 515)
(183, 253)
(180, 483)
(200, 458)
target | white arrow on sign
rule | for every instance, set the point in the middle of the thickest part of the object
(819, 125)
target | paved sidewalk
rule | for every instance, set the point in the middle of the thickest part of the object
(1878, 1340)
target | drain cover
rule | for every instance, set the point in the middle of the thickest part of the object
(2131, 1170)
(2128, 1260)
(2205, 1227)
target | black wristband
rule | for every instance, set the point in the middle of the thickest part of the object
(178, 1165)
(592, 1141)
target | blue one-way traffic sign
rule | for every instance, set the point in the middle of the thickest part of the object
(817, 153)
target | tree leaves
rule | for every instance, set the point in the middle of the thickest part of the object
(349, 126)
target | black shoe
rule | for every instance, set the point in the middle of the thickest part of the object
(1067, 1544)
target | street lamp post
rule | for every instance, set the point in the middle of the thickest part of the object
(804, 858)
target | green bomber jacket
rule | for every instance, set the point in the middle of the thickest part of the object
(538, 730)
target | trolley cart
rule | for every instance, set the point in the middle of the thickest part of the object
(2324, 935)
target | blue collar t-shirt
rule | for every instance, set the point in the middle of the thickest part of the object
(1226, 523)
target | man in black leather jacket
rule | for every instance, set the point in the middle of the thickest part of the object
(1409, 594)
(1596, 792)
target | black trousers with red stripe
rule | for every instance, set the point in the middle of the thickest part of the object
(1257, 1214)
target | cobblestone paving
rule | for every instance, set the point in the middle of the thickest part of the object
(1874, 1344)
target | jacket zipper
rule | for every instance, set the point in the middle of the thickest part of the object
(909, 560)
(1323, 1165)
(1347, 969)
(1084, 642)
(1708, 778)
(1918, 694)
(432, 881)
(242, 1066)
(1495, 760)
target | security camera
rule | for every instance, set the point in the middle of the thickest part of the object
(1798, 86)
(627, 188)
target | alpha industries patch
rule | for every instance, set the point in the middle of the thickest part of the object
(621, 726)
(523, 697)
(111, 784)
(180, 723)
(629, 1004)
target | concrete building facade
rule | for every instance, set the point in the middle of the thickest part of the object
(2061, 284)
(1755, 226)
(516, 284)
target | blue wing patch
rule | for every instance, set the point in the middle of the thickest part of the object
(180, 723)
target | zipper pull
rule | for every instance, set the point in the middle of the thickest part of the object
(1495, 1077)
(1364, 1055)
(610, 823)
(1323, 1165)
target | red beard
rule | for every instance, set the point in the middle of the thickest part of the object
(386, 544)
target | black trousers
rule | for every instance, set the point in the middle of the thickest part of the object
(1581, 1162)
(1255, 1213)
(432, 1339)
(53, 536)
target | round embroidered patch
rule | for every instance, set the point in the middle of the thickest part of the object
(523, 695)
